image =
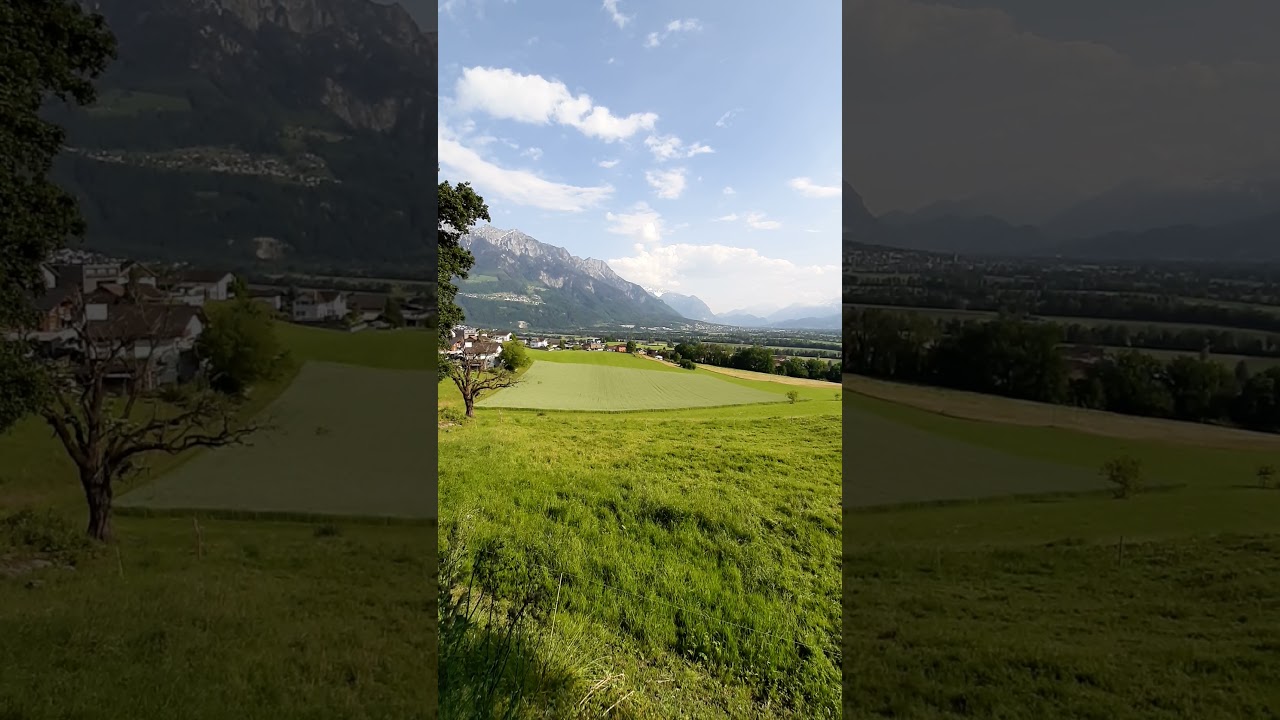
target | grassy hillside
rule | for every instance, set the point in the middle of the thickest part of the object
(205, 616)
(1067, 604)
(686, 559)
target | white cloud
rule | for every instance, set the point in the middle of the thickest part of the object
(668, 184)
(611, 6)
(727, 218)
(729, 191)
(643, 223)
(520, 187)
(533, 152)
(667, 147)
(606, 164)
(508, 95)
(728, 277)
(756, 221)
(725, 118)
(805, 186)
(654, 39)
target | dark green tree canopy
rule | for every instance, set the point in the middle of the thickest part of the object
(460, 209)
(49, 49)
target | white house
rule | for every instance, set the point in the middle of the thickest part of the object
(195, 287)
(319, 306)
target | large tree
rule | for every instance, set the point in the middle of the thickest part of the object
(107, 405)
(460, 209)
(48, 49)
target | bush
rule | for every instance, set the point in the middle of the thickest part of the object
(793, 396)
(44, 532)
(327, 530)
(1125, 473)
(514, 355)
(688, 364)
(1265, 473)
(452, 415)
(240, 345)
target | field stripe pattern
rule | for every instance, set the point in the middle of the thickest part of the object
(344, 440)
(562, 386)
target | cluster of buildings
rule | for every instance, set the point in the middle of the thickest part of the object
(481, 350)
(144, 324)
(141, 326)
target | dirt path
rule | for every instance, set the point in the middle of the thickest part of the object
(975, 406)
(767, 377)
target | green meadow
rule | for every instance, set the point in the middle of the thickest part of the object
(254, 606)
(990, 572)
(684, 562)
(342, 440)
(639, 385)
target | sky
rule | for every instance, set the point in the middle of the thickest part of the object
(694, 146)
(1031, 105)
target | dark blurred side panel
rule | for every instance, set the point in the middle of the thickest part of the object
(238, 365)
(1061, 287)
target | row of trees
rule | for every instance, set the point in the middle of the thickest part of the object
(756, 359)
(1027, 360)
(1130, 306)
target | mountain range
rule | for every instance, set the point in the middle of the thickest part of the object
(799, 316)
(1231, 220)
(518, 279)
(258, 131)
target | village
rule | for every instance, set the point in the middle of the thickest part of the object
(483, 348)
(116, 308)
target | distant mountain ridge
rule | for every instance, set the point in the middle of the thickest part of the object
(797, 316)
(1221, 220)
(517, 278)
(688, 306)
(238, 131)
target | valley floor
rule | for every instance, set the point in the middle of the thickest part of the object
(964, 601)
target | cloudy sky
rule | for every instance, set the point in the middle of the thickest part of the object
(693, 146)
(1033, 104)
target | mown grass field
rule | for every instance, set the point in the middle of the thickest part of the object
(689, 557)
(265, 619)
(344, 440)
(1067, 604)
(571, 386)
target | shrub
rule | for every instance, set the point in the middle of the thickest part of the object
(44, 532)
(688, 364)
(1265, 473)
(1125, 473)
(327, 530)
(793, 396)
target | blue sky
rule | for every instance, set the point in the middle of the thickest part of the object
(694, 146)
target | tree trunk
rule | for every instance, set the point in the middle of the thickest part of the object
(471, 404)
(97, 491)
